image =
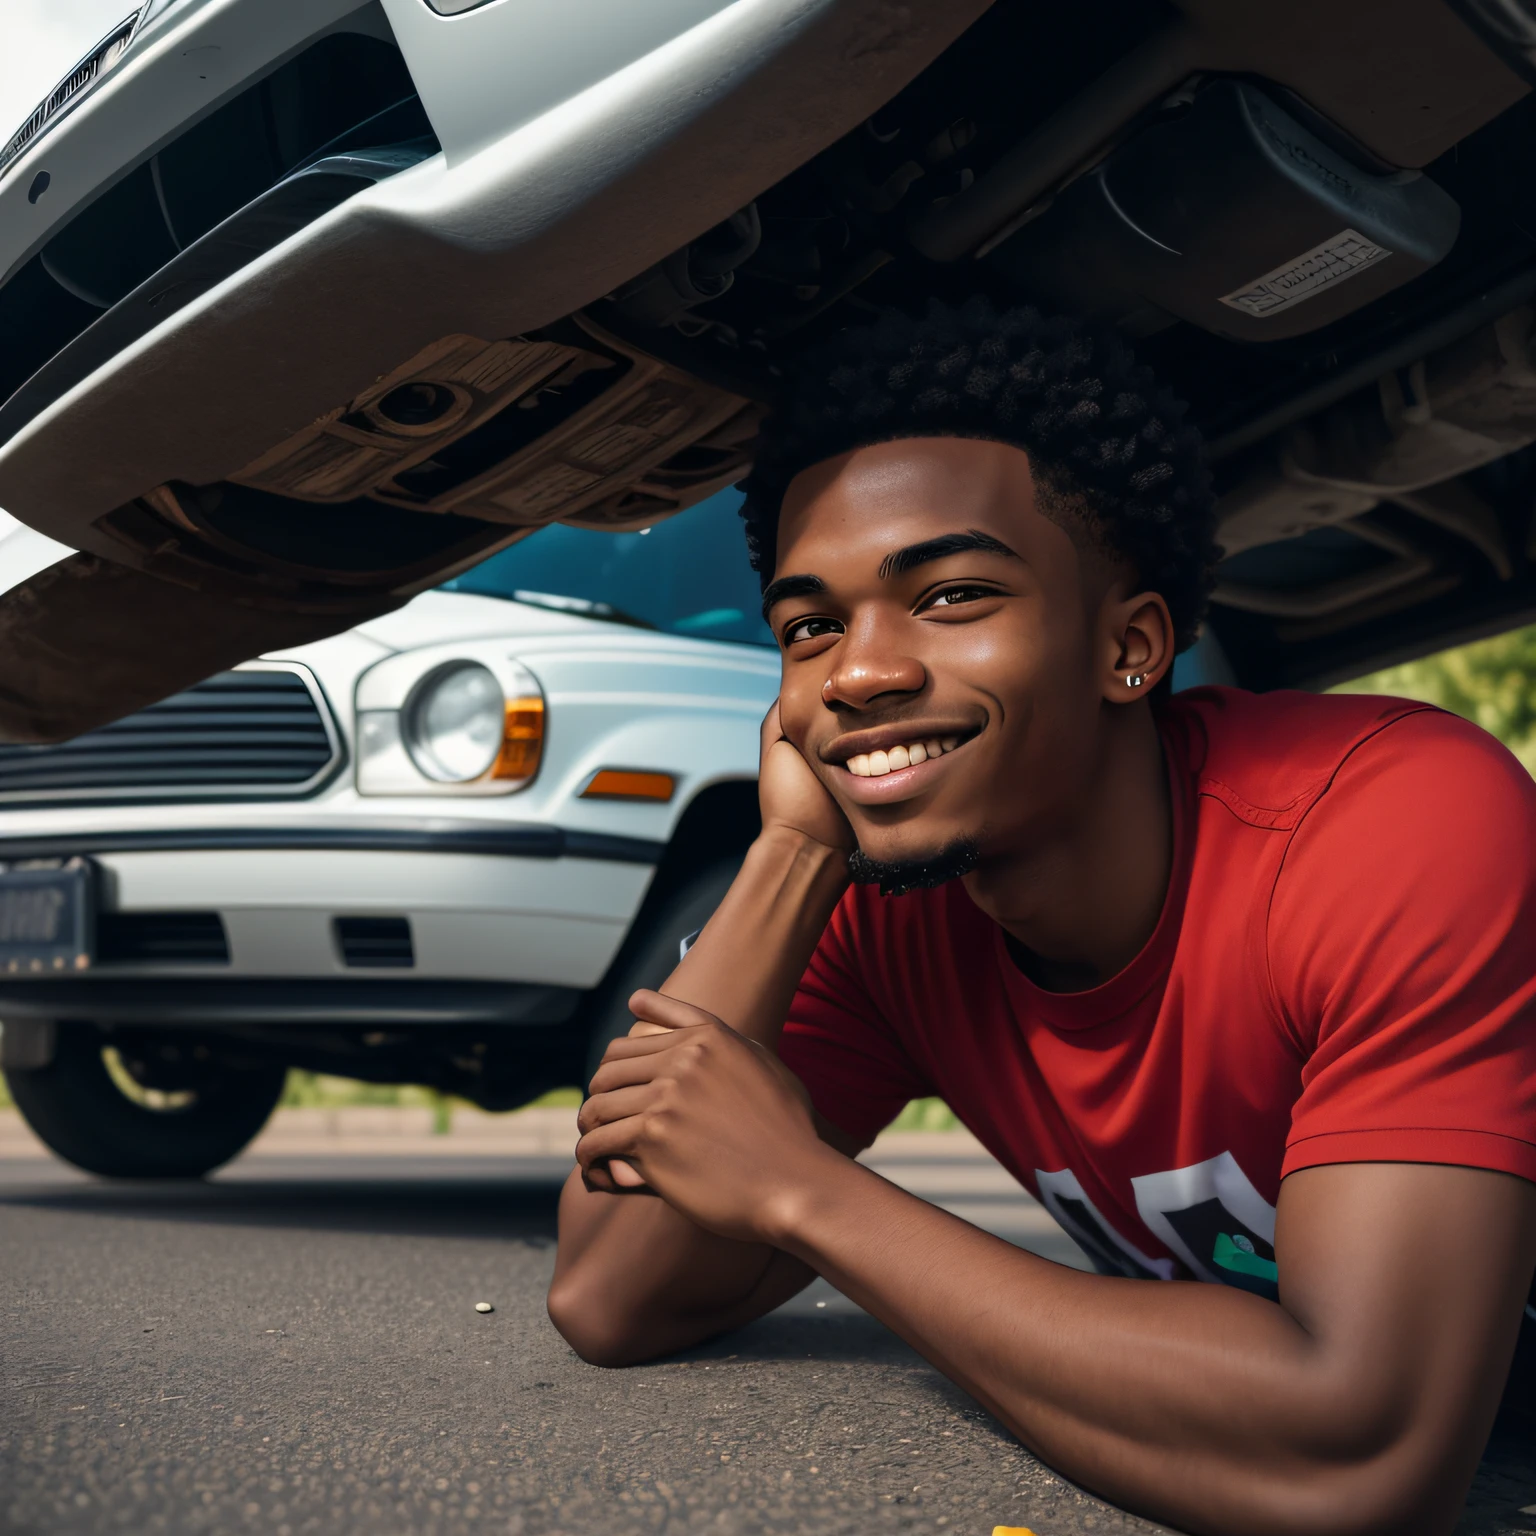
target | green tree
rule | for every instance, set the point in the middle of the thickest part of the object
(1490, 682)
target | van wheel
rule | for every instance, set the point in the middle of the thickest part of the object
(155, 1110)
(651, 953)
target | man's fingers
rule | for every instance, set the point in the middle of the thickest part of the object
(631, 1046)
(772, 729)
(638, 1047)
(614, 1139)
(657, 1008)
(600, 1179)
(625, 1072)
(624, 1175)
(616, 1103)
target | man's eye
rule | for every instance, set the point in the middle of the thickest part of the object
(811, 629)
(952, 597)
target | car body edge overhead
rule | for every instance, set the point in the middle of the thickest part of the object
(555, 230)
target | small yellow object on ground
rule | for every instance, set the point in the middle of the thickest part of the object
(484, 1306)
(1012, 1530)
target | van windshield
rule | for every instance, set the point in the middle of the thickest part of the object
(687, 576)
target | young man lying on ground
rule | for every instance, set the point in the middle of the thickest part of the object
(1243, 988)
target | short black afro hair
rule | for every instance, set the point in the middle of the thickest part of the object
(1101, 435)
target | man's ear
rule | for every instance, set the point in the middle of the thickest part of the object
(1138, 647)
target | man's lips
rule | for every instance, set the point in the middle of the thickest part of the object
(873, 753)
(895, 762)
(875, 765)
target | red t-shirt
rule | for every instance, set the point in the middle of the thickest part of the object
(1344, 971)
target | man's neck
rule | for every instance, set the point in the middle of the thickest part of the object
(1081, 904)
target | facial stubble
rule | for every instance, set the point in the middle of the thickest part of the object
(901, 876)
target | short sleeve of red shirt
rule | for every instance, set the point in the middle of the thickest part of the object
(1402, 954)
(837, 1042)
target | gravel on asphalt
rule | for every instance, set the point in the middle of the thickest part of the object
(292, 1348)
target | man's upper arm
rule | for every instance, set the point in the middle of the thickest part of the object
(1411, 1279)
(1401, 955)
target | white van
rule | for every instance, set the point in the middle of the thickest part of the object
(442, 847)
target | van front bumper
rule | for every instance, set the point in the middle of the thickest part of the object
(529, 907)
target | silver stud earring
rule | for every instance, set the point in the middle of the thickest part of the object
(1136, 681)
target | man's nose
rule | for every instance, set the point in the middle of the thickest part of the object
(870, 663)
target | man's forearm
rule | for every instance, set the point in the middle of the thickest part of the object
(1204, 1406)
(633, 1278)
(649, 1282)
(752, 953)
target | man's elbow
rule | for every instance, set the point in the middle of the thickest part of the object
(1404, 1487)
(594, 1328)
(1375, 1501)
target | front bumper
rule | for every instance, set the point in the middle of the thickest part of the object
(205, 1002)
(527, 906)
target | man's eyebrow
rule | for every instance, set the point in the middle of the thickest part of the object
(791, 586)
(900, 561)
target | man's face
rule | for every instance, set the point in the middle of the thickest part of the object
(945, 647)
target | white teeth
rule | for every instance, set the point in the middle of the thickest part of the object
(875, 765)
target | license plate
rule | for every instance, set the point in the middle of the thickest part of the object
(47, 917)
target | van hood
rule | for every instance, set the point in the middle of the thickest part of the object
(435, 617)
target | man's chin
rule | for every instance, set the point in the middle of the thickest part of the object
(914, 872)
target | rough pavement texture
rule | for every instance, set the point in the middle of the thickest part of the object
(293, 1348)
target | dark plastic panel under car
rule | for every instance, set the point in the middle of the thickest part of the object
(345, 93)
(297, 200)
(1233, 216)
(348, 538)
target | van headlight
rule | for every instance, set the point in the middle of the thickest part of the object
(453, 723)
(463, 729)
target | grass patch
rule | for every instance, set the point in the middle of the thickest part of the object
(558, 1098)
(926, 1115)
(316, 1090)
(1489, 682)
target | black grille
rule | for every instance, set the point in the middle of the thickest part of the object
(240, 732)
(379, 943)
(168, 938)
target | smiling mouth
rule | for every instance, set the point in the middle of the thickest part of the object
(875, 765)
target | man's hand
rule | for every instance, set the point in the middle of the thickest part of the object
(635, 1278)
(790, 795)
(706, 1118)
(792, 801)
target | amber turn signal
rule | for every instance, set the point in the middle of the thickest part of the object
(629, 784)
(522, 740)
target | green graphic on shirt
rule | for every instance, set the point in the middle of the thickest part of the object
(1240, 1258)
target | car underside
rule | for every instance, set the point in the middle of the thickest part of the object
(275, 378)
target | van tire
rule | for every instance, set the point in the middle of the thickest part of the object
(79, 1112)
(652, 951)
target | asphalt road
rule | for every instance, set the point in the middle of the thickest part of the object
(292, 1348)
